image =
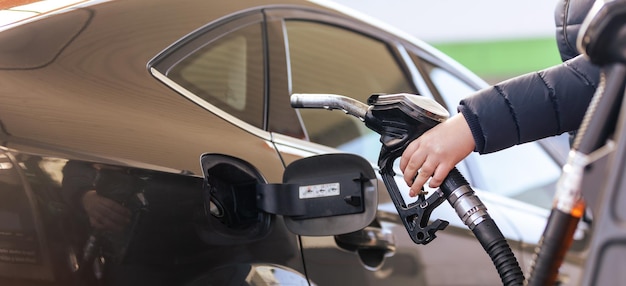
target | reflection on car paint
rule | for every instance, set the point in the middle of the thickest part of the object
(45, 231)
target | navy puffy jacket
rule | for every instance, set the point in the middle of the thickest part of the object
(540, 104)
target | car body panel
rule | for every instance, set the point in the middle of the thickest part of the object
(91, 84)
(166, 242)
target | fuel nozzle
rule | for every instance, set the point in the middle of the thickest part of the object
(399, 119)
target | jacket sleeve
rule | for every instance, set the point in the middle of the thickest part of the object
(531, 106)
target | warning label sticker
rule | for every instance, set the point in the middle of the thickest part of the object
(318, 191)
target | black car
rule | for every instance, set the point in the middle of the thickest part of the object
(134, 136)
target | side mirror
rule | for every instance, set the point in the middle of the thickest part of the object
(321, 195)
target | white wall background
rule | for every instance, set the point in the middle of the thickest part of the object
(463, 20)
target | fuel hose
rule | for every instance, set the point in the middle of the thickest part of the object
(474, 215)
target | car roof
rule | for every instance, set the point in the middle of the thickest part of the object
(159, 21)
(12, 12)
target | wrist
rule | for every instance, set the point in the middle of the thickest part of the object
(473, 126)
(463, 133)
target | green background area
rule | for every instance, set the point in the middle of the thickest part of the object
(502, 59)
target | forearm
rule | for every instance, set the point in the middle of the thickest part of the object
(531, 106)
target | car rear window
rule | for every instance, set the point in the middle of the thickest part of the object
(228, 73)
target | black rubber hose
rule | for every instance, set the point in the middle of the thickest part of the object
(471, 210)
(494, 243)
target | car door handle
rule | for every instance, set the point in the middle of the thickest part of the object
(368, 238)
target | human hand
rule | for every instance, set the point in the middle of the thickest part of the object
(435, 153)
(104, 213)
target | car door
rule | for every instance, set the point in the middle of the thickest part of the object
(221, 68)
(322, 53)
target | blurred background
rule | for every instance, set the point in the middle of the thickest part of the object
(496, 39)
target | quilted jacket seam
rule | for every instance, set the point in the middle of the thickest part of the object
(511, 110)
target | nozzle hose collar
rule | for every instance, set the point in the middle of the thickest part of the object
(468, 206)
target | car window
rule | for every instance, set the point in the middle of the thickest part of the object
(228, 73)
(451, 88)
(329, 59)
(525, 172)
